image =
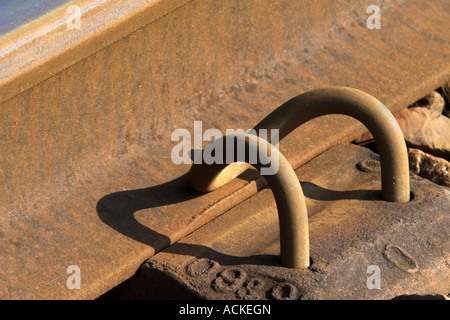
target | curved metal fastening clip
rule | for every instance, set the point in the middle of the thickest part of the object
(294, 235)
(288, 194)
(339, 100)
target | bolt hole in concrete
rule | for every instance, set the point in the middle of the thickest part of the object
(373, 165)
(311, 262)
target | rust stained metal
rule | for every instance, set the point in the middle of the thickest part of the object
(85, 171)
(43, 48)
(352, 230)
(334, 100)
(292, 212)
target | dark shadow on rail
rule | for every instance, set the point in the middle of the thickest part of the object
(316, 192)
(117, 209)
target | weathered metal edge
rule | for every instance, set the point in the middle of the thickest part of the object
(65, 47)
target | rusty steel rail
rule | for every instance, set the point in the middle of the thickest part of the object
(87, 114)
(334, 100)
(292, 212)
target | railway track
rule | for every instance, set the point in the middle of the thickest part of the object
(87, 114)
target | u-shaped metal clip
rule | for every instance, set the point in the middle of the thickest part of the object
(288, 194)
(333, 100)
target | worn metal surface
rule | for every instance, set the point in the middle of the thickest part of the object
(50, 44)
(352, 232)
(85, 171)
(334, 100)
